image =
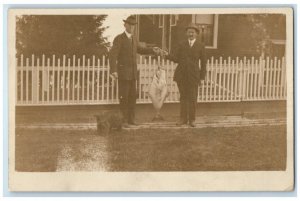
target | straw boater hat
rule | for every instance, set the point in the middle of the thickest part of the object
(130, 20)
(192, 26)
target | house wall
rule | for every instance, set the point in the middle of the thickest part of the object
(149, 32)
(234, 35)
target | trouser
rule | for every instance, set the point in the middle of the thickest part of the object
(127, 97)
(188, 100)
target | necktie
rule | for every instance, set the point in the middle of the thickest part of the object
(190, 43)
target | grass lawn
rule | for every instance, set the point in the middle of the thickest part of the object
(199, 149)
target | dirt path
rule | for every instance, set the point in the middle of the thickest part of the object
(88, 155)
(201, 122)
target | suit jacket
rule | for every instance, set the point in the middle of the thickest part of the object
(188, 62)
(123, 56)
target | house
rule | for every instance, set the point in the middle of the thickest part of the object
(224, 34)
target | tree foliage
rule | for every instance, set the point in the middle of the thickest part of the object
(266, 27)
(60, 35)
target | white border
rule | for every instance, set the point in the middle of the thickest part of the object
(155, 181)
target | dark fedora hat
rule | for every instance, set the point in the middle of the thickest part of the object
(192, 26)
(130, 20)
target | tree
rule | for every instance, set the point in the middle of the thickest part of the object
(61, 35)
(266, 27)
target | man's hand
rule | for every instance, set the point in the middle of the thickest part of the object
(160, 52)
(164, 53)
(156, 50)
(115, 75)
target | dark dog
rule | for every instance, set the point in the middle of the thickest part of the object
(107, 121)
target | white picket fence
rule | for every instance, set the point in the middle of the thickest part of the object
(69, 81)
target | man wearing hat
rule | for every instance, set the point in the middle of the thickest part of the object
(188, 74)
(122, 57)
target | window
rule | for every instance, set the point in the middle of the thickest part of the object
(208, 27)
(173, 20)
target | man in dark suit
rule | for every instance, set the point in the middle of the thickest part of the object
(187, 74)
(123, 64)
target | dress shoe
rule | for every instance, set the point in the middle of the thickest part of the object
(125, 125)
(181, 123)
(132, 123)
(192, 124)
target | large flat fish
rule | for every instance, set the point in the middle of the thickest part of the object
(158, 91)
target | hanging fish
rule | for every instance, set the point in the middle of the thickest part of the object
(158, 91)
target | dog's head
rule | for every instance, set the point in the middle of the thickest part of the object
(100, 117)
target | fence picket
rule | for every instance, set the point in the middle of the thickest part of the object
(223, 67)
(88, 79)
(246, 78)
(43, 78)
(37, 80)
(93, 77)
(73, 79)
(236, 73)
(102, 86)
(274, 77)
(107, 84)
(98, 78)
(53, 78)
(261, 78)
(32, 79)
(141, 70)
(255, 80)
(267, 77)
(284, 78)
(63, 83)
(27, 87)
(270, 78)
(241, 78)
(69, 77)
(232, 78)
(277, 79)
(281, 80)
(22, 74)
(48, 80)
(251, 78)
(58, 80)
(78, 79)
(83, 79)
(228, 86)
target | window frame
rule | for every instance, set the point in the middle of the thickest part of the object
(161, 17)
(215, 31)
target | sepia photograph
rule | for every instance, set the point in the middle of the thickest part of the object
(151, 99)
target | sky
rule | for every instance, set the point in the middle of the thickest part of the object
(115, 23)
